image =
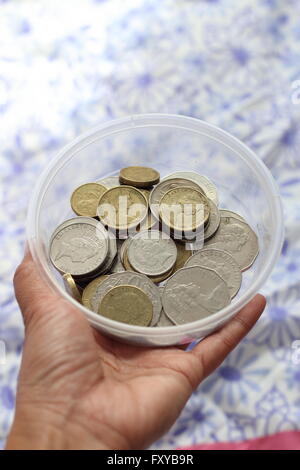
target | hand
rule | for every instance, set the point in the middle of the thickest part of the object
(80, 390)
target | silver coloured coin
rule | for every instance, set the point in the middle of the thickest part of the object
(79, 248)
(214, 220)
(152, 253)
(163, 187)
(238, 239)
(221, 262)
(83, 281)
(109, 261)
(109, 182)
(112, 253)
(161, 290)
(164, 320)
(117, 266)
(124, 248)
(75, 220)
(193, 293)
(129, 278)
(228, 213)
(205, 184)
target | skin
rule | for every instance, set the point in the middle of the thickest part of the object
(80, 390)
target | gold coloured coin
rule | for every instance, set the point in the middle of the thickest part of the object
(139, 176)
(127, 304)
(85, 199)
(122, 208)
(71, 287)
(148, 223)
(182, 256)
(155, 279)
(162, 277)
(184, 209)
(90, 289)
(124, 247)
(146, 193)
(126, 263)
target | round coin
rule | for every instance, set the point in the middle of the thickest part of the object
(183, 254)
(152, 252)
(214, 220)
(109, 260)
(163, 187)
(89, 290)
(207, 186)
(238, 239)
(221, 262)
(112, 252)
(71, 287)
(193, 293)
(184, 209)
(162, 277)
(131, 279)
(80, 219)
(85, 199)
(227, 213)
(146, 193)
(127, 304)
(155, 279)
(123, 249)
(122, 208)
(164, 320)
(79, 248)
(139, 176)
(126, 263)
(117, 266)
(148, 223)
(83, 281)
(109, 182)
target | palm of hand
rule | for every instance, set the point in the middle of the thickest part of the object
(121, 395)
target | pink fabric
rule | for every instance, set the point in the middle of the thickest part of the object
(288, 440)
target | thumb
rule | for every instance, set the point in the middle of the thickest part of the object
(215, 347)
(34, 296)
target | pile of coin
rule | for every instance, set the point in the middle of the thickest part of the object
(152, 252)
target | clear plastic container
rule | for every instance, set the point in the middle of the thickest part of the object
(168, 143)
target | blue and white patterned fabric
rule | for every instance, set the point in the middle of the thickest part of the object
(66, 66)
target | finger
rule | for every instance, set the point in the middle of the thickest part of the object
(214, 348)
(34, 296)
(30, 289)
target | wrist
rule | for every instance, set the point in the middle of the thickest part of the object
(35, 430)
(42, 429)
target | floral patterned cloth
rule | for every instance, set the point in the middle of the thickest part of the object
(66, 66)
